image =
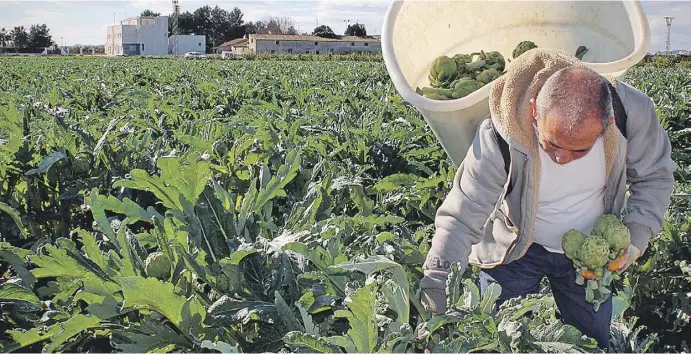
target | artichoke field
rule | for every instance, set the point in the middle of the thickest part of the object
(282, 206)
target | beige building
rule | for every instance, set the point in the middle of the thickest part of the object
(296, 44)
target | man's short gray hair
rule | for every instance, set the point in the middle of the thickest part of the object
(573, 94)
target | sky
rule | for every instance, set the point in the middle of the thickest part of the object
(85, 21)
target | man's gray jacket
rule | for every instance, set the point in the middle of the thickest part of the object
(481, 225)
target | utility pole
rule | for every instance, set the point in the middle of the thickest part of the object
(176, 13)
(668, 19)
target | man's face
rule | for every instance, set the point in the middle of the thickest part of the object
(560, 144)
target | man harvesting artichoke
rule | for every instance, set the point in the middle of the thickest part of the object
(565, 163)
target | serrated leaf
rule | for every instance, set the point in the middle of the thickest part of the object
(16, 257)
(364, 204)
(46, 163)
(396, 181)
(489, 299)
(60, 262)
(12, 292)
(15, 216)
(343, 342)
(189, 177)
(57, 333)
(226, 311)
(99, 214)
(313, 343)
(380, 263)
(286, 314)
(142, 181)
(274, 188)
(130, 209)
(160, 296)
(361, 318)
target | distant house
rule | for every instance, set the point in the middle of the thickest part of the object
(307, 44)
(138, 36)
(188, 43)
(238, 46)
(300, 44)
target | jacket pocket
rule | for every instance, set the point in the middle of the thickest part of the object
(500, 235)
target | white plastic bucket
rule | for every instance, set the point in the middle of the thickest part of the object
(415, 32)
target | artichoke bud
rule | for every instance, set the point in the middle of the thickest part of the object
(465, 86)
(522, 48)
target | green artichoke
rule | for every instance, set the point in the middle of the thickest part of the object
(158, 265)
(571, 242)
(522, 48)
(443, 71)
(465, 86)
(610, 228)
(494, 60)
(594, 252)
(488, 76)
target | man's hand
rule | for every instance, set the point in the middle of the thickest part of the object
(624, 260)
(434, 300)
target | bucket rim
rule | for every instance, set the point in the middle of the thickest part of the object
(639, 25)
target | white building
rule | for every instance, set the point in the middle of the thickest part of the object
(138, 36)
(188, 43)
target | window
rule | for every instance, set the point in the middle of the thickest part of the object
(352, 44)
(142, 47)
(366, 44)
(317, 52)
(307, 52)
(199, 44)
(273, 51)
(316, 43)
(277, 43)
(290, 50)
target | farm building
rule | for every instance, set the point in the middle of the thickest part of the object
(237, 46)
(294, 44)
(138, 36)
(188, 43)
(300, 44)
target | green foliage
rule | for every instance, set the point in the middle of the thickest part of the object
(294, 201)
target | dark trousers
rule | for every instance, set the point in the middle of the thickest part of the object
(523, 277)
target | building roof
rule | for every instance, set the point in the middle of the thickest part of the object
(310, 38)
(238, 42)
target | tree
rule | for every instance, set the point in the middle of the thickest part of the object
(19, 37)
(324, 31)
(149, 13)
(235, 17)
(356, 30)
(186, 23)
(258, 27)
(4, 38)
(39, 37)
(280, 25)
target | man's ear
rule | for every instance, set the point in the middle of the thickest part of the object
(611, 120)
(533, 106)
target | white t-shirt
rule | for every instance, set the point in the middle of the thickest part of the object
(571, 196)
